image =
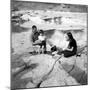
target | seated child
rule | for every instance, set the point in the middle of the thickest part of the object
(42, 39)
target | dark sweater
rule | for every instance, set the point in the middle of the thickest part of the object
(34, 36)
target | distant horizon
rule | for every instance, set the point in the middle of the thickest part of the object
(34, 5)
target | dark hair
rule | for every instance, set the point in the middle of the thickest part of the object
(41, 31)
(34, 26)
(70, 35)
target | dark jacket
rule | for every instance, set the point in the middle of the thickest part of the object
(34, 36)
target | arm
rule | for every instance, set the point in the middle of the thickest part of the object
(69, 49)
(37, 42)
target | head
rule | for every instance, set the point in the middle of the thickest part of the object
(69, 36)
(41, 32)
(34, 29)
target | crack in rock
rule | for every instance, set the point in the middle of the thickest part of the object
(50, 72)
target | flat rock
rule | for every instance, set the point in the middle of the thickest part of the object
(48, 71)
(57, 77)
(68, 63)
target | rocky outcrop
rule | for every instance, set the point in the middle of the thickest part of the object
(76, 67)
(44, 71)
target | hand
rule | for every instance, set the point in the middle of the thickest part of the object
(69, 49)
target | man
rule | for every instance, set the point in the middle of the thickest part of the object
(34, 37)
(35, 34)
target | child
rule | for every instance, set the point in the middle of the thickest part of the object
(42, 39)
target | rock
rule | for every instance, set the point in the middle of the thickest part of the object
(79, 72)
(44, 62)
(68, 63)
(30, 85)
(82, 62)
(76, 67)
(46, 71)
(71, 81)
(59, 77)
(44, 74)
